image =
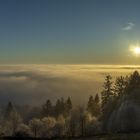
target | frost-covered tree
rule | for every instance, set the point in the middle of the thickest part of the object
(15, 120)
(48, 124)
(92, 126)
(60, 127)
(11, 124)
(23, 130)
(76, 122)
(72, 123)
(35, 126)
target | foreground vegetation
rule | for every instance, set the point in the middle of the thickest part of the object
(128, 136)
(117, 112)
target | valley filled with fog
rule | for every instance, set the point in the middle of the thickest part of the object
(34, 84)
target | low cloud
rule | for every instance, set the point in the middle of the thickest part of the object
(33, 84)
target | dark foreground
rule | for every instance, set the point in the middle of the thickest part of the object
(128, 136)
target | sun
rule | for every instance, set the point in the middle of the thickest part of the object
(135, 49)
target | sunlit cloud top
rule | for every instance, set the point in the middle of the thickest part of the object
(34, 84)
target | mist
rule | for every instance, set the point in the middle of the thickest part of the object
(34, 84)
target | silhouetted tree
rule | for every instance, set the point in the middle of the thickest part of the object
(68, 106)
(134, 82)
(93, 105)
(107, 105)
(97, 107)
(107, 93)
(62, 105)
(72, 123)
(90, 105)
(57, 108)
(47, 109)
(82, 120)
(120, 85)
(9, 110)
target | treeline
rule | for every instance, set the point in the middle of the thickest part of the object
(120, 103)
(53, 120)
(61, 107)
(64, 108)
(62, 119)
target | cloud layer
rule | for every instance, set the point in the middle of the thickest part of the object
(33, 84)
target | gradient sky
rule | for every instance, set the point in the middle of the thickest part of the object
(69, 31)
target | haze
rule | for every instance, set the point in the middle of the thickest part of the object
(34, 84)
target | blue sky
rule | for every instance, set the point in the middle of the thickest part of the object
(68, 31)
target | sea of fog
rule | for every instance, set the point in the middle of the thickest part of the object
(34, 84)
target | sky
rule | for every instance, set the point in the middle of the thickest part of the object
(69, 31)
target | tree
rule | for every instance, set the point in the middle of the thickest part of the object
(11, 119)
(97, 108)
(107, 93)
(68, 106)
(14, 121)
(82, 118)
(90, 105)
(35, 125)
(97, 99)
(120, 85)
(135, 78)
(76, 122)
(93, 126)
(62, 106)
(108, 101)
(57, 108)
(47, 109)
(9, 110)
(59, 129)
(93, 105)
(48, 123)
(23, 130)
(134, 82)
(72, 123)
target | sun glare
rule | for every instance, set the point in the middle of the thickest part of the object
(135, 49)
